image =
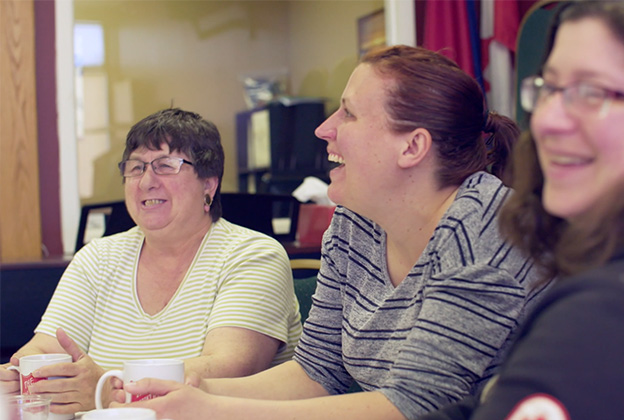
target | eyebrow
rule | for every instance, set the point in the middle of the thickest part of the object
(134, 156)
(579, 74)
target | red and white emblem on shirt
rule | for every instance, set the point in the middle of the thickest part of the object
(539, 407)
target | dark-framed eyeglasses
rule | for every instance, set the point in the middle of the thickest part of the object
(579, 98)
(166, 165)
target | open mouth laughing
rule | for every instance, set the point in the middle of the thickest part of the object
(336, 160)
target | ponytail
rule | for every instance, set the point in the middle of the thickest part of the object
(503, 133)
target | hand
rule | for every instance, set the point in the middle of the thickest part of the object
(75, 391)
(9, 380)
(175, 400)
(193, 379)
(117, 393)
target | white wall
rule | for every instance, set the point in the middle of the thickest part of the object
(70, 204)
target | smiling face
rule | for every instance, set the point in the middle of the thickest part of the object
(166, 203)
(582, 156)
(360, 140)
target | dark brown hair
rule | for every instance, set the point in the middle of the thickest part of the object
(557, 246)
(430, 91)
(188, 133)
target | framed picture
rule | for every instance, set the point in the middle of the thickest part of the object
(371, 31)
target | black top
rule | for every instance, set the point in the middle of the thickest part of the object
(567, 362)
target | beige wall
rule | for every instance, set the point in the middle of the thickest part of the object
(323, 49)
(191, 54)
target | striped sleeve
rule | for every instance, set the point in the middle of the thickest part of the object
(256, 292)
(90, 278)
(74, 295)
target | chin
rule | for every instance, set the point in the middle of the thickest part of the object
(333, 196)
(564, 209)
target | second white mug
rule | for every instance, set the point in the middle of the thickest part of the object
(134, 370)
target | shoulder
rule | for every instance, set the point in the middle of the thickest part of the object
(228, 238)
(481, 195)
(569, 348)
(118, 243)
(594, 289)
(468, 234)
(474, 213)
(574, 307)
(226, 230)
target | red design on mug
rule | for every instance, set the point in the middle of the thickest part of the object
(141, 397)
(27, 381)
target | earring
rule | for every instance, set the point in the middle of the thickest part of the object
(207, 202)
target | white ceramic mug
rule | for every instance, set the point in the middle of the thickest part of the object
(121, 413)
(134, 370)
(28, 364)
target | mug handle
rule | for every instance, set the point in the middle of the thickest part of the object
(100, 385)
(17, 369)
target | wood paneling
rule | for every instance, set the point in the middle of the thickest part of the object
(20, 221)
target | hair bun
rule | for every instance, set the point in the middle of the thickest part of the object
(488, 123)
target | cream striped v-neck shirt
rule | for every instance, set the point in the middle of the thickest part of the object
(239, 278)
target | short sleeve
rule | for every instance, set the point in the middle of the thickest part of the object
(256, 290)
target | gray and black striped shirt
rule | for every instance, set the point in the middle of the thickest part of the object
(441, 333)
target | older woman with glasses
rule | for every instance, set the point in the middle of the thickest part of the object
(184, 283)
(568, 214)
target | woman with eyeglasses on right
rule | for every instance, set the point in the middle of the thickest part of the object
(568, 214)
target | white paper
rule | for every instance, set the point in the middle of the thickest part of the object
(259, 141)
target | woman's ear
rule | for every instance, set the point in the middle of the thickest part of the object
(416, 147)
(210, 185)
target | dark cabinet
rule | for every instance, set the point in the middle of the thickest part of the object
(277, 147)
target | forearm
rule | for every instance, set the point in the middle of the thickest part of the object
(215, 366)
(287, 381)
(231, 352)
(369, 405)
(183, 402)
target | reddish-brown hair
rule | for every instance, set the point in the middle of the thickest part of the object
(430, 91)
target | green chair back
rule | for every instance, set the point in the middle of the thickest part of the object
(531, 46)
(304, 289)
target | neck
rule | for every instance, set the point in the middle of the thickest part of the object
(409, 230)
(417, 215)
(174, 244)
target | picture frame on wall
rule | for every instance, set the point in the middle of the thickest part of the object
(371, 31)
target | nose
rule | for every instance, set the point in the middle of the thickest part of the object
(148, 178)
(552, 115)
(327, 130)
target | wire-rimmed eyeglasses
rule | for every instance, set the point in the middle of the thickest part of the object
(166, 165)
(580, 98)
